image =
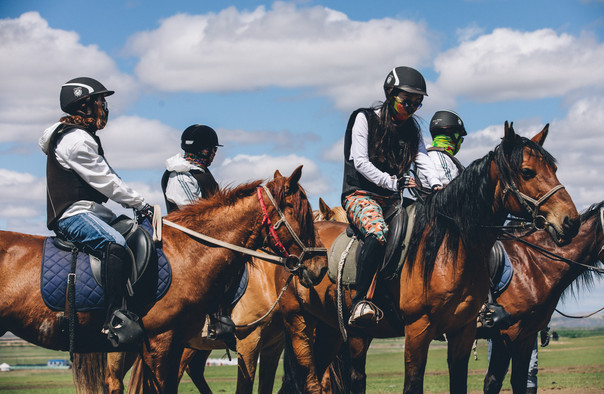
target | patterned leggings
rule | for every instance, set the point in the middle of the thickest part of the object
(366, 212)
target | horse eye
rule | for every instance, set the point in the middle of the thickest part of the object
(528, 173)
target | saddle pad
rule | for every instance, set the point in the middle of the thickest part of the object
(56, 265)
(349, 273)
(506, 270)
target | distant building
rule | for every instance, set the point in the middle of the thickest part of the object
(58, 363)
(4, 367)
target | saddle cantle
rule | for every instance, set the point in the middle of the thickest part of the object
(400, 228)
(56, 266)
(500, 269)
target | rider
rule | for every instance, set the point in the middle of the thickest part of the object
(79, 180)
(187, 178)
(447, 131)
(380, 145)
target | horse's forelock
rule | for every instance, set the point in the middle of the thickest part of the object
(514, 155)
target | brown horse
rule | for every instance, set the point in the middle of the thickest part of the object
(199, 272)
(259, 330)
(540, 278)
(444, 281)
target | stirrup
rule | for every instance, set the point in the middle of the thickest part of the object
(364, 314)
(123, 329)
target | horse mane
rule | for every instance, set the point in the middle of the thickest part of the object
(587, 277)
(463, 209)
(229, 196)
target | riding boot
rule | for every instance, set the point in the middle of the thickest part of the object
(115, 272)
(221, 327)
(370, 258)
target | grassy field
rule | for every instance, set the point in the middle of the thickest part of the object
(570, 365)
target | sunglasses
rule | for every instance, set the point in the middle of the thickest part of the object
(408, 104)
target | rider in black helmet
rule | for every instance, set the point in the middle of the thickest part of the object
(80, 181)
(380, 145)
(187, 176)
(447, 130)
(187, 179)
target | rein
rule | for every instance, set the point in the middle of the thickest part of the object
(285, 261)
(549, 254)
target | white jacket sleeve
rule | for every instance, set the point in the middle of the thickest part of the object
(78, 151)
(359, 154)
(426, 165)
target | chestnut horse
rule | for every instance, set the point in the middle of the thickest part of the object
(200, 270)
(444, 280)
(259, 330)
(541, 276)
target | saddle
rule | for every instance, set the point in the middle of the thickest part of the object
(347, 246)
(138, 241)
(147, 260)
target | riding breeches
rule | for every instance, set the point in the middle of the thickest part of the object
(366, 212)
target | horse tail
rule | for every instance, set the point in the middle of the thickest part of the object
(293, 374)
(89, 372)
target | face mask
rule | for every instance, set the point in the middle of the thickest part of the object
(404, 108)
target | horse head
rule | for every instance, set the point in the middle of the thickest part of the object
(525, 174)
(294, 229)
(328, 214)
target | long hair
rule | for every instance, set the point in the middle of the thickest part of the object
(91, 116)
(385, 152)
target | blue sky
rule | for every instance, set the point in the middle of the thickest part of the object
(278, 81)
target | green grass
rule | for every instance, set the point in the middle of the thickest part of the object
(575, 363)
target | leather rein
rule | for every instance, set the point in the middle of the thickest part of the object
(291, 263)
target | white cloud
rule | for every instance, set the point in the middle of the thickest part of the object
(284, 46)
(245, 168)
(132, 142)
(509, 64)
(36, 61)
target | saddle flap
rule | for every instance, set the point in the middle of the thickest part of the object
(400, 230)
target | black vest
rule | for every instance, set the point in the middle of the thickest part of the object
(353, 180)
(64, 186)
(206, 181)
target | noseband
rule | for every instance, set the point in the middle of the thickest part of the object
(291, 263)
(601, 253)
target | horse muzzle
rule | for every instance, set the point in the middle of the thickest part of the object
(564, 233)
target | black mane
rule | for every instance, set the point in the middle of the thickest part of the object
(463, 210)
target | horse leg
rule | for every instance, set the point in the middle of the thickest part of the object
(116, 371)
(327, 344)
(359, 346)
(269, 362)
(194, 362)
(459, 348)
(157, 370)
(499, 361)
(417, 342)
(520, 363)
(248, 349)
(298, 366)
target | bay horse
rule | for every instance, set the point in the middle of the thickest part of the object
(444, 280)
(541, 276)
(259, 330)
(199, 272)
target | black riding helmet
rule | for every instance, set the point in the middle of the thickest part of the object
(78, 89)
(197, 137)
(447, 123)
(407, 79)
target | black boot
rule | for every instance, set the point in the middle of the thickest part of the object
(370, 258)
(221, 327)
(115, 272)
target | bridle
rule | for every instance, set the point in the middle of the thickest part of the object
(291, 263)
(530, 204)
(601, 252)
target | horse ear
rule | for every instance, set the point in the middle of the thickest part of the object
(323, 207)
(277, 174)
(540, 137)
(510, 134)
(292, 182)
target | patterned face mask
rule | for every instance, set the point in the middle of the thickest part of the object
(404, 108)
(201, 159)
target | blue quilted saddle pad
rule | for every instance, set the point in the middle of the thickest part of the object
(56, 265)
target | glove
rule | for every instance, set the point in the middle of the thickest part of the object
(437, 187)
(405, 182)
(145, 212)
